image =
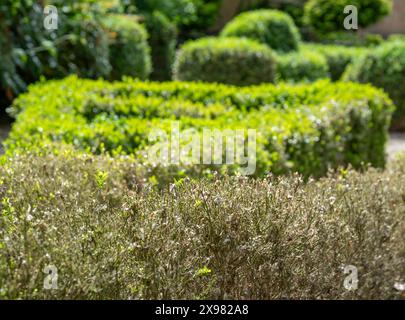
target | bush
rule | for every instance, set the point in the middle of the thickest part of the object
(328, 16)
(128, 47)
(227, 60)
(108, 233)
(271, 27)
(337, 57)
(302, 66)
(384, 67)
(162, 39)
(304, 128)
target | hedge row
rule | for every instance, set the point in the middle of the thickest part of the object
(304, 128)
(107, 232)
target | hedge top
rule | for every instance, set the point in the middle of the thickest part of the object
(304, 128)
(272, 27)
(235, 61)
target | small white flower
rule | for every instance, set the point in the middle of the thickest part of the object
(399, 286)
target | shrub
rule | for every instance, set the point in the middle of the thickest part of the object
(304, 128)
(128, 48)
(162, 39)
(271, 27)
(108, 233)
(384, 67)
(337, 57)
(302, 66)
(227, 60)
(328, 16)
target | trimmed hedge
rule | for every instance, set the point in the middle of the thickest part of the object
(128, 48)
(304, 128)
(384, 67)
(303, 66)
(337, 57)
(227, 60)
(272, 27)
(328, 16)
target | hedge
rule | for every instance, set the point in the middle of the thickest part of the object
(128, 48)
(305, 128)
(271, 27)
(227, 60)
(302, 66)
(107, 232)
(337, 57)
(384, 67)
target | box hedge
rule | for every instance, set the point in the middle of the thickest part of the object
(271, 27)
(384, 67)
(338, 57)
(227, 60)
(302, 66)
(306, 128)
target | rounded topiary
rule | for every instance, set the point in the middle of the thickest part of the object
(303, 66)
(328, 15)
(383, 67)
(234, 61)
(272, 27)
(128, 47)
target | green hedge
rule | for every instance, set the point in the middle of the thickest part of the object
(128, 47)
(303, 66)
(305, 128)
(384, 67)
(227, 60)
(271, 27)
(337, 57)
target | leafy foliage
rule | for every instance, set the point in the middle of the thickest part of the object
(304, 128)
(337, 57)
(384, 67)
(271, 27)
(302, 66)
(228, 60)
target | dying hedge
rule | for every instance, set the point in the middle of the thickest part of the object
(304, 128)
(227, 60)
(112, 236)
(271, 27)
